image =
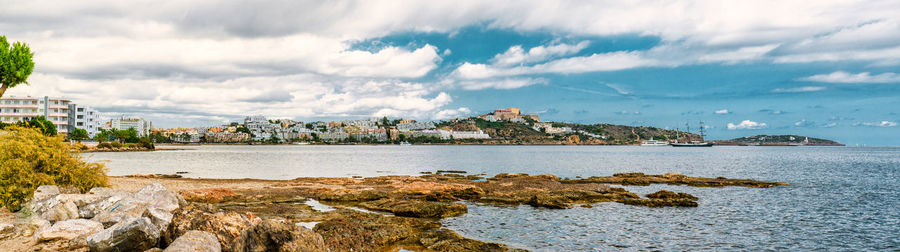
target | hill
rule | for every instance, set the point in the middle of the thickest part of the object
(531, 132)
(779, 140)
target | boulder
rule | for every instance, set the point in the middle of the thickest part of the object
(69, 229)
(197, 216)
(158, 197)
(135, 234)
(45, 191)
(272, 235)
(160, 218)
(80, 200)
(60, 210)
(195, 241)
(127, 208)
(108, 199)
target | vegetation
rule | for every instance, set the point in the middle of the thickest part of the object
(15, 64)
(39, 123)
(78, 135)
(29, 159)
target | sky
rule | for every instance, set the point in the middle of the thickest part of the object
(828, 69)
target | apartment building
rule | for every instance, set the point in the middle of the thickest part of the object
(142, 126)
(84, 117)
(15, 109)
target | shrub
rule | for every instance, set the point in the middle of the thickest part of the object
(146, 143)
(104, 146)
(131, 145)
(116, 145)
(29, 159)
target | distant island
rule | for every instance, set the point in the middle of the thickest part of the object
(778, 140)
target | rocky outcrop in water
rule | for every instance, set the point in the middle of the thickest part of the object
(641, 179)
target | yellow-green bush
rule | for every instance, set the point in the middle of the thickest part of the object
(29, 159)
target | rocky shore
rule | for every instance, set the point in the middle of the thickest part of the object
(306, 214)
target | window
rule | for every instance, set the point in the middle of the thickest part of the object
(80, 109)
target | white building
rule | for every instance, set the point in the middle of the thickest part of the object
(363, 124)
(142, 126)
(15, 109)
(463, 134)
(84, 117)
(415, 126)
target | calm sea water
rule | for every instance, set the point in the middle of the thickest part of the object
(839, 198)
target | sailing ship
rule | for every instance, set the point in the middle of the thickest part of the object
(690, 142)
(652, 142)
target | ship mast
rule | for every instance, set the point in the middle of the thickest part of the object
(701, 131)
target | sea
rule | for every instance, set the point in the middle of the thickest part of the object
(838, 198)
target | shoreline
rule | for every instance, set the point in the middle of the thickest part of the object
(390, 213)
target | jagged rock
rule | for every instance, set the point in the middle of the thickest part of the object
(416, 208)
(547, 201)
(80, 200)
(69, 229)
(447, 240)
(226, 226)
(665, 198)
(135, 234)
(195, 241)
(45, 191)
(60, 210)
(127, 208)
(158, 197)
(103, 191)
(271, 235)
(108, 199)
(160, 218)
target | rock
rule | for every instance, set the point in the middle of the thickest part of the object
(61, 211)
(271, 235)
(158, 197)
(351, 195)
(195, 241)
(103, 191)
(195, 216)
(669, 195)
(135, 234)
(209, 195)
(127, 208)
(69, 229)
(7, 230)
(160, 218)
(416, 208)
(45, 191)
(665, 198)
(80, 200)
(548, 201)
(357, 231)
(108, 199)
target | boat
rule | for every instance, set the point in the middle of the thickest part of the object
(405, 143)
(652, 142)
(302, 143)
(693, 143)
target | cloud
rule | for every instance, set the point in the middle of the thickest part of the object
(722, 112)
(883, 124)
(746, 125)
(845, 77)
(798, 89)
(505, 83)
(772, 111)
(451, 113)
(804, 123)
(516, 55)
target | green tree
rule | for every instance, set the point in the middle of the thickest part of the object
(41, 124)
(78, 135)
(15, 64)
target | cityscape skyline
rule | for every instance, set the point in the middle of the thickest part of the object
(744, 68)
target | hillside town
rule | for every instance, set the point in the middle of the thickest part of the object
(501, 126)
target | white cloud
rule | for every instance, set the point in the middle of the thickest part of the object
(798, 89)
(507, 83)
(516, 55)
(845, 77)
(722, 112)
(877, 124)
(746, 124)
(451, 113)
